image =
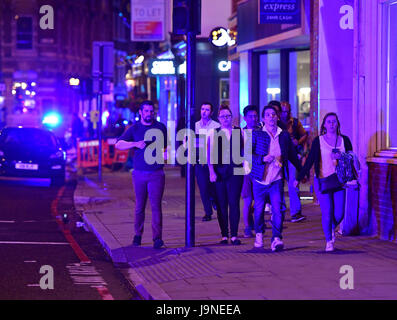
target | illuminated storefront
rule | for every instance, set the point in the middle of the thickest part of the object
(271, 60)
(212, 79)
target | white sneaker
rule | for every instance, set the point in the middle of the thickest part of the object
(258, 240)
(277, 244)
(329, 246)
(333, 236)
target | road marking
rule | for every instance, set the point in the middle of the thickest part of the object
(54, 211)
(105, 294)
(34, 243)
(5, 221)
(82, 273)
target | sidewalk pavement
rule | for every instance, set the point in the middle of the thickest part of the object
(210, 271)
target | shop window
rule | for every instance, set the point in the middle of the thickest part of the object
(299, 85)
(269, 78)
(224, 91)
(273, 76)
(389, 75)
(25, 33)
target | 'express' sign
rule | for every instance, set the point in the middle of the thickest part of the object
(280, 11)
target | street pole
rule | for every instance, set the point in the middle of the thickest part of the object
(190, 124)
(100, 114)
(100, 135)
(102, 72)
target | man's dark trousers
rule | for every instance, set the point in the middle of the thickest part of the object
(149, 184)
(207, 189)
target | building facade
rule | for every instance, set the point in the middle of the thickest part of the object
(342, 54)
(271, 61)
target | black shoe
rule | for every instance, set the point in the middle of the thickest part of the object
(158, 243)
(207, 218)
(224, 241)
(298, 217)
(137, 241)
(236, 242)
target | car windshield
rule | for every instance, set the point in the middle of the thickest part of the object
(27, 136)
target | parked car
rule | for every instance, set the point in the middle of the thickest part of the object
(31, 152)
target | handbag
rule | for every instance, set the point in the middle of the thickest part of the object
(331, 183)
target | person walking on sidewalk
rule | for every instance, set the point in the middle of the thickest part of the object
(298, 137)
(251, 117)
(149, 179)
(325, 151)
(272, 148)
(226, 142)
(206, 187)
(277, 105)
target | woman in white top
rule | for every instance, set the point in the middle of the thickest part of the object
(324, 154)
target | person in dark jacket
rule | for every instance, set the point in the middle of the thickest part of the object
(324, 153)
(272, 148)
(298, 137)
(226, 142)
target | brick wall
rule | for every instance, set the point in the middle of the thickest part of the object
(383, 198)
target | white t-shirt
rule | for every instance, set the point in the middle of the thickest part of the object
(327, 164)
(204, 129)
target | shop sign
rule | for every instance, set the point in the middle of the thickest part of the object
(224, 66)
(280, 11)
(162, 68)
(220, 37)
(147, 20)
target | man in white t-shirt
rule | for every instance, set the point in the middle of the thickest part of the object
(202, 130)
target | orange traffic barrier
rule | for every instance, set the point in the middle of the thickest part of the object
(120, 156)
(87, 153)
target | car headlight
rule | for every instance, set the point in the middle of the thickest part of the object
(59, 154)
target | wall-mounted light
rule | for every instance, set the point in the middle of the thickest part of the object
(74, 81)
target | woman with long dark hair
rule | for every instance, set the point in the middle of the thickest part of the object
(325, 151)
(225, 144)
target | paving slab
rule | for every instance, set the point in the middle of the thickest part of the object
(210, 271)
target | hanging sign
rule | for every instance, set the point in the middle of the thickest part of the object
(147, 20)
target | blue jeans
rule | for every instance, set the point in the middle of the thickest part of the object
(294, 200)
(332, 209)
(274, 192)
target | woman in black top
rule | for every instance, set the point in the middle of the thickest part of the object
(324, 154)
(227, 144)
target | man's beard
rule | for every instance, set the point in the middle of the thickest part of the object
(148, 119)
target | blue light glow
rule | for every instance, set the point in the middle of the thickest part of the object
(52, 119)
